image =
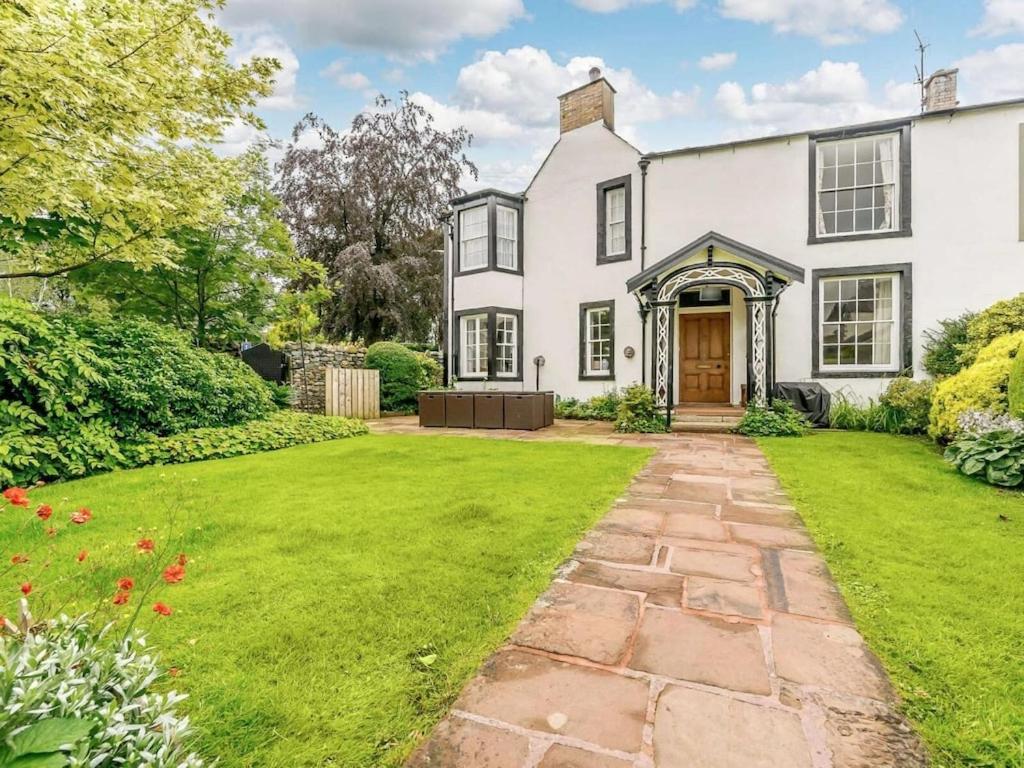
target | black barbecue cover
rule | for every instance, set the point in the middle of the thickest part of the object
(810, 399)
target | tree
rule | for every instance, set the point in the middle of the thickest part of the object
(107, 110)
(368, 205)
(220, 284)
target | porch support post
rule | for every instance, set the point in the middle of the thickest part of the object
(758, 347)
(661, 354)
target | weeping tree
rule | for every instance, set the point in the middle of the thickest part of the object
(367, 205)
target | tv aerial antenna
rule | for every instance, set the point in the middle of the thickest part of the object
(921, 47)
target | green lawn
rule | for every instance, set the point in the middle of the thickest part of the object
(932, 565)
(327, 578)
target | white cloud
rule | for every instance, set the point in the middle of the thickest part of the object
(993, 75)
(613, 6)
(1002, 17)
(833, 22)
(237, 138)
(836, 93)
(716, 61)
(522, 84)
(337, 72)
(251, 42)
(485, 125)
(400, 28)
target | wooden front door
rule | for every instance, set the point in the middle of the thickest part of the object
(704, 357)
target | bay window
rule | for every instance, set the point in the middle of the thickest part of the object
(489, 344)
(489, 233)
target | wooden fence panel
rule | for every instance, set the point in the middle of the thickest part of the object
(353, 392)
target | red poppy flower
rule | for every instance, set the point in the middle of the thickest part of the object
(121, 598)
(82, 555)
(174, 573)
(81, 516)
(19, 559)
(173, 671)
(162, 609)
(125, 583)
(44, 511)
(16, 497)
(182, 560)
(51, 532)
(145, 545)
(26, 588)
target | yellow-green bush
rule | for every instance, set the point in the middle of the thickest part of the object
(1015, 391)
(1002, 318)
(981, 387)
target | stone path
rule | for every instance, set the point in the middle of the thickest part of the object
(694, 627)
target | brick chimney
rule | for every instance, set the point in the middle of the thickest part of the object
(587, 104)
(940, 91)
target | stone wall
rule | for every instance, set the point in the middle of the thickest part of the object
(308, 382)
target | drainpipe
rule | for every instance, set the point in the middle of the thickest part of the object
(644, 309)
(449, 284)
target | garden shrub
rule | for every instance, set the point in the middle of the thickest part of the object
(779, 419)
(980, 387)
(994, 455)
(431, 372)
(603, 407)
(283, 429)
(51, 417)
(944, 346)
(156, 381)
(1002, 318)
(905, 406)
(401, 374)
(1015, 387)
(636, 411)
(72, 695)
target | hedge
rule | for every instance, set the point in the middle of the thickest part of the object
(282, 430)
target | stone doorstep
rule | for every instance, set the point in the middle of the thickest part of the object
(582, 621)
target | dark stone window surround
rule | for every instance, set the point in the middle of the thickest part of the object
(904, 230)
(603, 187)
(492, 329)
(583, 375)
(492, 200)
(905, 326)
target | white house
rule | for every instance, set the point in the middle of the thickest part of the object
(711, 273)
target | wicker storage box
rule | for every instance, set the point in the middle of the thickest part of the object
(458, 409)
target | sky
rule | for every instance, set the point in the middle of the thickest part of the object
(687, 72)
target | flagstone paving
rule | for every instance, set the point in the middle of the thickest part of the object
(694, 627)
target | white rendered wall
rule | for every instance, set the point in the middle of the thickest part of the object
(964, 249)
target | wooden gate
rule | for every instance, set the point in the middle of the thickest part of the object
(353, 392)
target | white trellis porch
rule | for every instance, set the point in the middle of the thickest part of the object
(716, 261)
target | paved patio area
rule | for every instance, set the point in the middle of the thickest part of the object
(694, 627)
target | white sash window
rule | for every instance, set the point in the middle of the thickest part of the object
(858, 185)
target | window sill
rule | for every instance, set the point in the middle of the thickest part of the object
(854, 374)
(614, 259)
(597, 377)
(855, 236)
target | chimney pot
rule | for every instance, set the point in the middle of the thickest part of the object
(595, 74)
(940, 91)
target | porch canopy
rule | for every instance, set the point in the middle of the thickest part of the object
(714, 259)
